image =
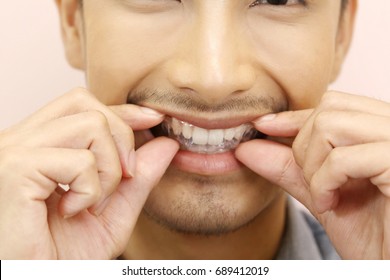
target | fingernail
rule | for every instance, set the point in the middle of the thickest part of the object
(131, 163)
(149, 111)
(266, 118)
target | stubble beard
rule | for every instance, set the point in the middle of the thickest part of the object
(209, 212)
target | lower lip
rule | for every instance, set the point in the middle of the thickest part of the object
(205, 164)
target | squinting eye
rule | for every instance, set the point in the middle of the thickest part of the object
(277, 2)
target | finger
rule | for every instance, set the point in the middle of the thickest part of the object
(336, 101)
(153, 159)
(338, 129)
(76, 101)
(89, 130)
(40, 171)
(289, 123)
(284, 124)
(365, 161)
(340, 101)
(275, 162)
(137, 117)
(80, 100)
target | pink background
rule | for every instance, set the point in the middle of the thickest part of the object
(33, 69)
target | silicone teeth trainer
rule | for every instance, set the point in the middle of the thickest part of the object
(207, 141)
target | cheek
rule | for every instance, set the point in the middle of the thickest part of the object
(306, 78)
(116, 64)
(299, 60)
(122, 50)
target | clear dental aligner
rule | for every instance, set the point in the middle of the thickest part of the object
(207, 141)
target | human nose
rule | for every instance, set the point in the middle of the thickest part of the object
(213, 57)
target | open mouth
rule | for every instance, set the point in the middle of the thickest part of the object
(205, 141)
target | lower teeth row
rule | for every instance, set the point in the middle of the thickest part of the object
(199, 140)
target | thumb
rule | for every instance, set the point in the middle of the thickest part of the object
(275, 162)
(152, 160)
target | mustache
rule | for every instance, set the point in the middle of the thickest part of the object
(182, 101)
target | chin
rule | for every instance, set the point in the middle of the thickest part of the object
(208, 205)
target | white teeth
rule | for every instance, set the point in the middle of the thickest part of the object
(187, 131)
(176, 127)
(200, 136)
(215, 137)
(210, 141)
(239, 131)
(229, 134)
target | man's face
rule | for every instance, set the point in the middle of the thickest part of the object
(212, 66)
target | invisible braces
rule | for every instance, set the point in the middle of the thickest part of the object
(245, 132)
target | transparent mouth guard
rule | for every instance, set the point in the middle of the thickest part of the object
(211, 141)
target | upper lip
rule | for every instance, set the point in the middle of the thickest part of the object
(208, 122)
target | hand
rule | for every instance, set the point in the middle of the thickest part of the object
(338, 167)
(76, 141)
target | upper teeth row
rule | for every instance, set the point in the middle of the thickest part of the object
(201, 136)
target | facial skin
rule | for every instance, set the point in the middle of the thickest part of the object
(205, 61)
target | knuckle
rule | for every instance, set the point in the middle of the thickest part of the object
(297, 153)
(79, 97)
(116, 176)
(87, 161)
(15, 163)
(111, 176)
(336, 156)
(97, 120)
(322, 122)
(87, 165)
(10, 157)
(117, 173)
(331, 99)
(299, 147)
(95, 192)
(12, 136)
(80, 92)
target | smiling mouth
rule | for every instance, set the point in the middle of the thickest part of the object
(206, 141)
